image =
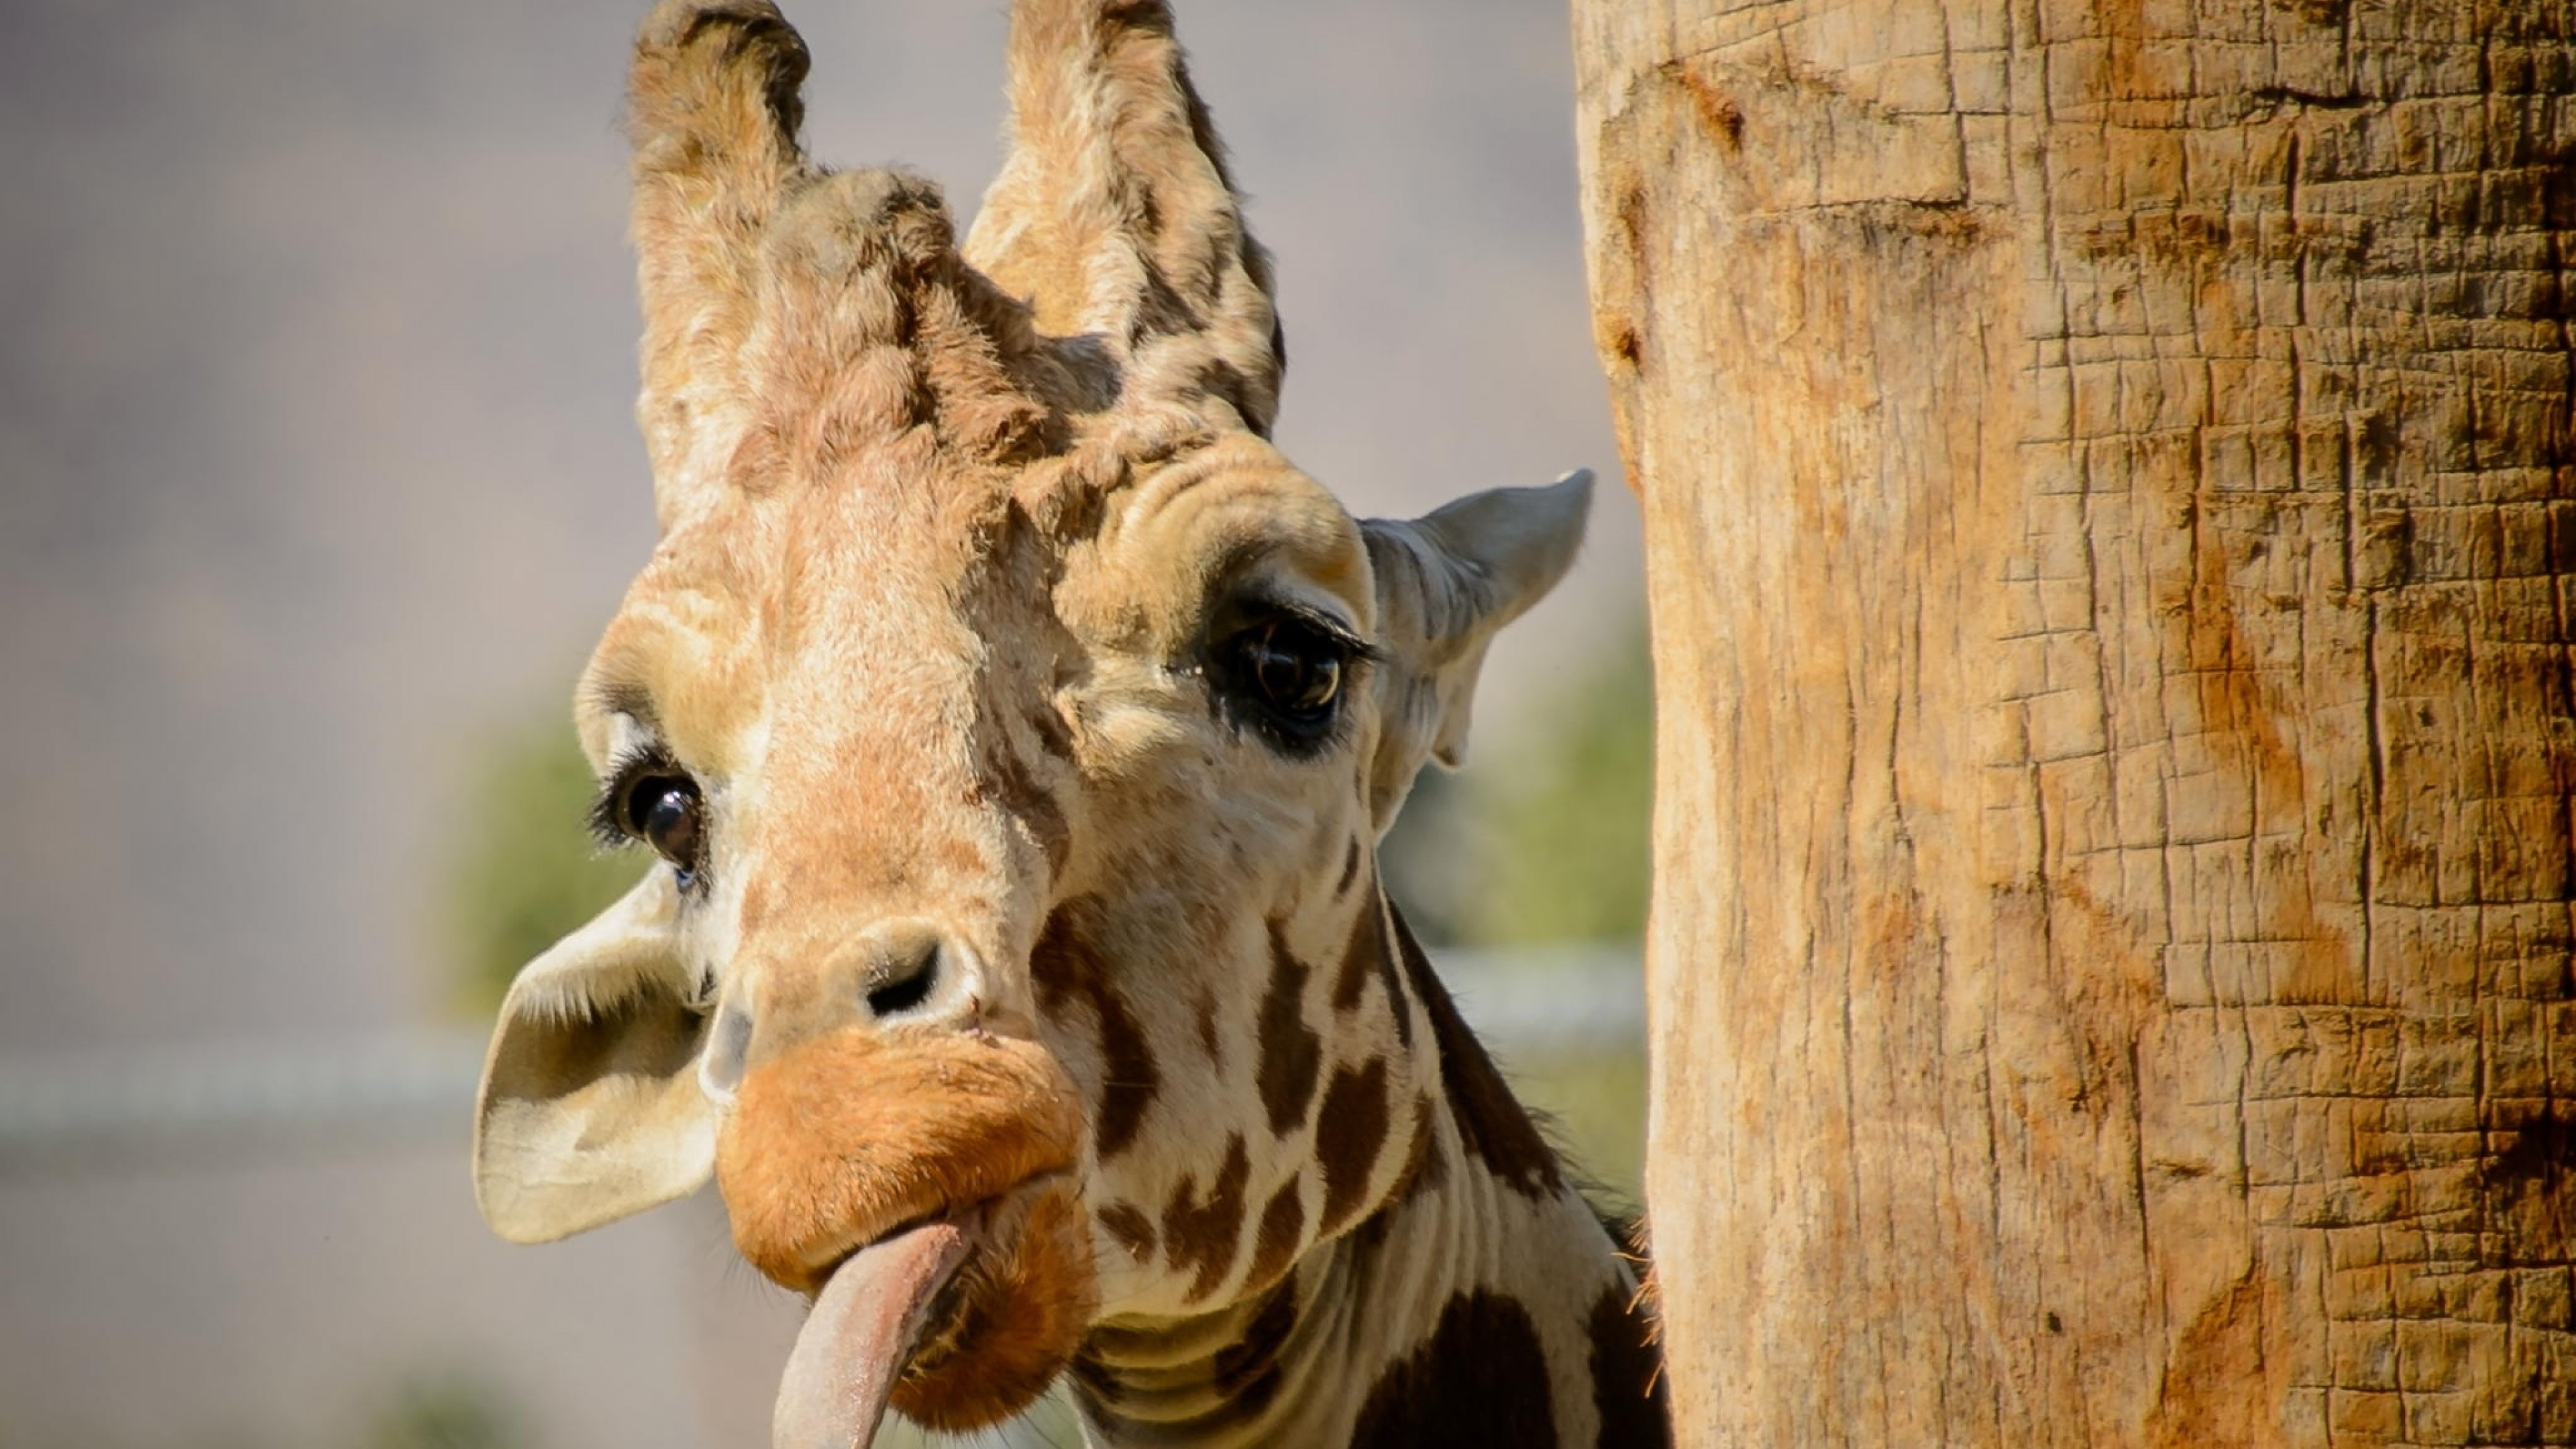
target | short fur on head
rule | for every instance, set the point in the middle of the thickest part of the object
(1015, 866)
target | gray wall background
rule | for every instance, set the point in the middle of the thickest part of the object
(316, 464)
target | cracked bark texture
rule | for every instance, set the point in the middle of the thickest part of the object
(2110, 522)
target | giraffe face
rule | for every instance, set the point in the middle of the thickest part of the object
(967, 799)
(1013, 726)
(1013, 874)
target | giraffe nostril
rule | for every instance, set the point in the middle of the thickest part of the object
(904, 983)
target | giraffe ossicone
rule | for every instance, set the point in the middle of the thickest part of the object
(1016, 728)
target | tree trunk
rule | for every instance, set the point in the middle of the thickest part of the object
(2110, 519)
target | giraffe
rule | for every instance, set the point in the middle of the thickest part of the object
(1014, 727)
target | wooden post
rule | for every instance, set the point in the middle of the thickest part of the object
(2110, 515)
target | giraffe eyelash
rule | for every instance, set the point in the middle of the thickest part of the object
(1362, 653)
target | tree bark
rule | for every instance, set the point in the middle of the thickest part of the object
(2110, 515)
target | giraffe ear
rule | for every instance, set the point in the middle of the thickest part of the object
(590, 1108)
(1446, 582)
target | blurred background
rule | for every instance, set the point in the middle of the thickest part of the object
(317, 480)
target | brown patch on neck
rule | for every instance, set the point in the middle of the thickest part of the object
(1203, 1018)
(1282, 1232)
(1292, 1054)
(1066, 966)
(1134, 1231)
(1491, 1121)
(1627, 1382)
(1480, 1379)
(1423, 1170)
(1202, 1234)
(1349, 1134)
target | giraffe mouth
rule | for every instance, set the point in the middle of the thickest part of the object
(922, 1192)
(958, 1319)
(875, 1307)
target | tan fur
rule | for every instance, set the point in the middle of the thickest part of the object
(955, 547)
(846, 1137)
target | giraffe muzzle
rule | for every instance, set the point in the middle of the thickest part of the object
(922, 1189)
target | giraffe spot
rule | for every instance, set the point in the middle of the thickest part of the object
(1491, 1121)
(1134, 1231)
(1129, 1087)
(1349, 1133)
(1283, 1226)
(1479, 1382)
(1292, 1055)
(1062, 965)
(1066, 967)
(1367, 956)
(1007, 779)
(1200, 1235)
(1423, 1170)
(1626, 1386)
(1203, 1017)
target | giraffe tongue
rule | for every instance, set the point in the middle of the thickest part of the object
(859, 1336)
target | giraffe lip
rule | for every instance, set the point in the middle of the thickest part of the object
(969, 1215)
(978, 1218)
(827, 1264)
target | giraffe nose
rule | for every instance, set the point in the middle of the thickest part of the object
(905, 972)
(899, 967)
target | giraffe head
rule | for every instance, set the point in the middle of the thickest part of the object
(1014, 726)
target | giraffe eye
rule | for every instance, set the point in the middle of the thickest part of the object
(1297, 670)
(666, 812)
(1286, 673)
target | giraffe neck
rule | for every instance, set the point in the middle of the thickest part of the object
(1483, 1303)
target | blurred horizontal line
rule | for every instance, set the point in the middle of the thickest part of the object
(1581, 997)
(374, 1091)
(370, 1090)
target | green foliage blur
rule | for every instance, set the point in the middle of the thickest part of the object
(529, 871)
(447, 1411)
(1549, 842)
